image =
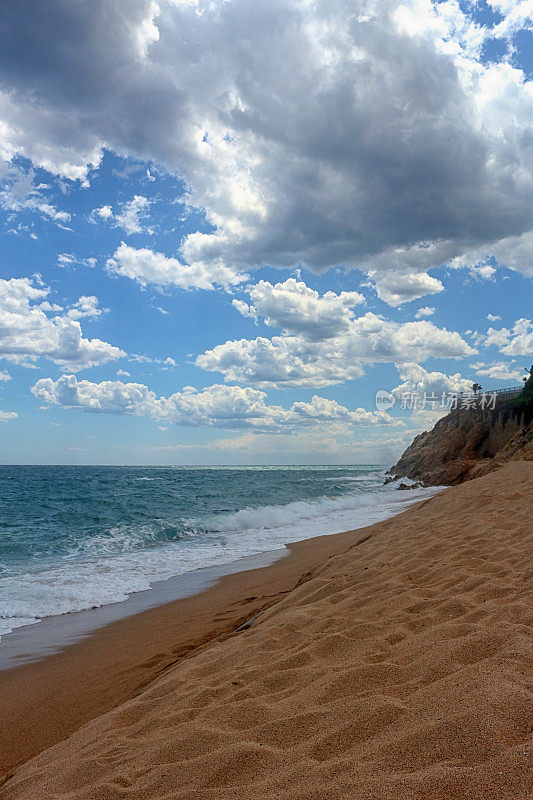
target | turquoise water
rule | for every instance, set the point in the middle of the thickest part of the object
(73, 538)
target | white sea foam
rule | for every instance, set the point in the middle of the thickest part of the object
(94, 577)
(302, 511)
(10, 623)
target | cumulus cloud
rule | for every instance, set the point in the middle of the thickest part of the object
(216, 406)
(7, 416)
(426, 311)
(86, 306)
(517, 14)
(244, 309)
(325, 343)
(396, 288)
(102, 213)
(322, 410)
(149, 267)
(499, 371)
(296, 308)
(32, 328)
(418, 381)
(407, 153)
(479, 265)
(517, 341)
(497, 337)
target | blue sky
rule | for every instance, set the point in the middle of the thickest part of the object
(224, 227)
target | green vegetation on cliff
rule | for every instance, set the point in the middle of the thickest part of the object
(524, 402)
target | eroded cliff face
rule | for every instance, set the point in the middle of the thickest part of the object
(465, 444)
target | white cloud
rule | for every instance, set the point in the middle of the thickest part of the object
(216, 406)
(518, 341)
(20, 194)
(132, 217)
(483, 271)
(398, 288)
(426, 311)
(4, 376)
(493, 317)
(86, 306)
(70, 260)
(108, 396)
(417, 380)
(296, 308)
(244, 309)
(517, 15)
(22, 229)
(405, 155)
(515, 252)
(499, 371)
(149, 267)
(322, 410)
(521, 339)
(329, 345)
(141, 358)
(423, 419)
(31, 328)
(7, 416)
(494, 337)
(477, 264)
(104, 212)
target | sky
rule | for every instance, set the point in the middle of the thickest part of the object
(225, 225)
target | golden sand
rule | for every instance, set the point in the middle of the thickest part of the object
(399, 669)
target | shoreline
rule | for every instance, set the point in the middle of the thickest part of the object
(113, 662)
(35, 640)
(29, 644)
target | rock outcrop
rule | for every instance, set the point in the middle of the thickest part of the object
(468, 443)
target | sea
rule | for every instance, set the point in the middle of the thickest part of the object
(81, 537)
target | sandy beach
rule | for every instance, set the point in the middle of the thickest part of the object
(391, 662)
(118, 660)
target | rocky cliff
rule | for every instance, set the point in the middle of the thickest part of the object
(470, 442)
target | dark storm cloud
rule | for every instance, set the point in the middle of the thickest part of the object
(313, 134)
